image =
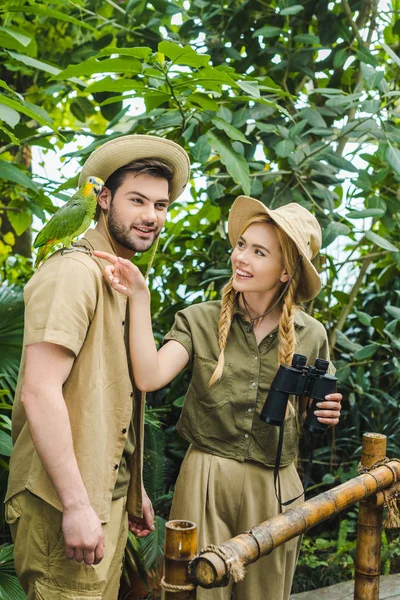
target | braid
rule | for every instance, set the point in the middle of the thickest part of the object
(287, 340)
(224, 325)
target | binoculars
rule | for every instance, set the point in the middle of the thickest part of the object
(299, 380)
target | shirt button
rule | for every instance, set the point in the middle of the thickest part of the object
(255, 357)
(131, 394)
(254, 384)
(123, 323)
(246, 435)
(124, 430)
(115, 467)
(271, 335)
(250, 410)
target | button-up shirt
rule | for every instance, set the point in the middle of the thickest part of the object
(67, 302)
(225, 419)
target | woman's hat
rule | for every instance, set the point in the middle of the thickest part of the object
(297, 222)
(120, 151)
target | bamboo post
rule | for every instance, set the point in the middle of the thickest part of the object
(369, 528)
(180, 548)
(210, 570)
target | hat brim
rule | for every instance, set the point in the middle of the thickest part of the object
(120, 151)
(243, 210)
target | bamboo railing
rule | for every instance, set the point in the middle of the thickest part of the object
(214, 568)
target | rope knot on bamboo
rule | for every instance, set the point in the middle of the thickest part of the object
(233, 565)
(174, 587)
(391, 494)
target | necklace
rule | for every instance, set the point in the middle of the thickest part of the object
(250, 325)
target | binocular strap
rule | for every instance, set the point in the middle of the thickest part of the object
(307, 476)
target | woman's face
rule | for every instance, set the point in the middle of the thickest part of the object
(257, 261)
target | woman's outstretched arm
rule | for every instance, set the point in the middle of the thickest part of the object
(152, 370)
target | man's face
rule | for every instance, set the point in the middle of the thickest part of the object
(138, 210)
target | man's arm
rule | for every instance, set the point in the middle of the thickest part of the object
(47, 368)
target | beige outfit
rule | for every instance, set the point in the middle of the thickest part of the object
(67, 302)
(226, 483)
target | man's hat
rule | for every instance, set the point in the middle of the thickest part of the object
(126, 149)
(297, 222)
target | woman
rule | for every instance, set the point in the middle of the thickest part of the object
(226, 483)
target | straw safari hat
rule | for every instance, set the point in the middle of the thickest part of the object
(120, 151)
(298, 223)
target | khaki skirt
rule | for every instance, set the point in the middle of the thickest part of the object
(225, 497)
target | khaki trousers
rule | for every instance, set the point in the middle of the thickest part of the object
(225, 497)
(43, 569)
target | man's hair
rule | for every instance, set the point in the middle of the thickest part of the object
(146, 166)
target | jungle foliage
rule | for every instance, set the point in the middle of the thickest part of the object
(284, 100)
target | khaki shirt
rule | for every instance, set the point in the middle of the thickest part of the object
(67, 302)
(225, 419)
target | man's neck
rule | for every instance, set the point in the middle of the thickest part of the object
(118, 249)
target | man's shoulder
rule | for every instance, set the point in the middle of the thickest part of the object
(71, 260)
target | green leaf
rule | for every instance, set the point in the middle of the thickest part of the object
(313, 117)
(183, 55)
(45, 11)
(284, 148)
(366, 352)
(266, 127)
(250, 88)
(5, 443)
(108, 65)
(140, 52)
(235, 163)
(22, 39)
(368, 212)
(203, 100)
(340, 162)
(392, 155)
(26, 110)
(307, 38)
(9, 115)
(332, 231)
(230, 130)
(365, 56)
(291, 10)
(201, 150)
(20, 221)
(11, 172)
(268, 32)
(110, 84)
(393, 311)
(363, 317)
(345, 343)
(381, 242)
(339, 58)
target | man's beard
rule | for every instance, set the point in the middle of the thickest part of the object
(124, 235)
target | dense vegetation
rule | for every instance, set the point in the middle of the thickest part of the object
(287, 101)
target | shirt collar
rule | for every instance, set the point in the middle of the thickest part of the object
(298, 314)
(97, 241)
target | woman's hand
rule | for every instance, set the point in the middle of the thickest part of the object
(123, 275)
(330, 409)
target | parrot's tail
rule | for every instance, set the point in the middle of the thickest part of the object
(42, 253)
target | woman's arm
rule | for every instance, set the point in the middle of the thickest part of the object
(152, 370)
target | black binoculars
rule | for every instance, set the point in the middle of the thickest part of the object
(299, 380)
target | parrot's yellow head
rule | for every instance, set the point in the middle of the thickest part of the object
(92, 185)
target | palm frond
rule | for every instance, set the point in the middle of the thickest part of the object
(11, 335)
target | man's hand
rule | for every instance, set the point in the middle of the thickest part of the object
(83, 535)
(142, 527)
(330, 409)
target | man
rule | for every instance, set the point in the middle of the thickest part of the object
(76, 471)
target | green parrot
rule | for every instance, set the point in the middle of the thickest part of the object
(70, 220)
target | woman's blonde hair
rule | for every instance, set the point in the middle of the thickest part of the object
(287, 339)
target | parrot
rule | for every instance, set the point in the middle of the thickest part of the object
(70, 220)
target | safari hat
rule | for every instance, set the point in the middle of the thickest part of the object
(297, 222)
(120, 151)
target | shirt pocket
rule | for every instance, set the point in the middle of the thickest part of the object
(218, 394)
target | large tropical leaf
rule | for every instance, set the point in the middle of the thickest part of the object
(10, 588)
(11, 335)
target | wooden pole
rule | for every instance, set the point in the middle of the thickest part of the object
(369, 528)
(209, 570)
(180, 548)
